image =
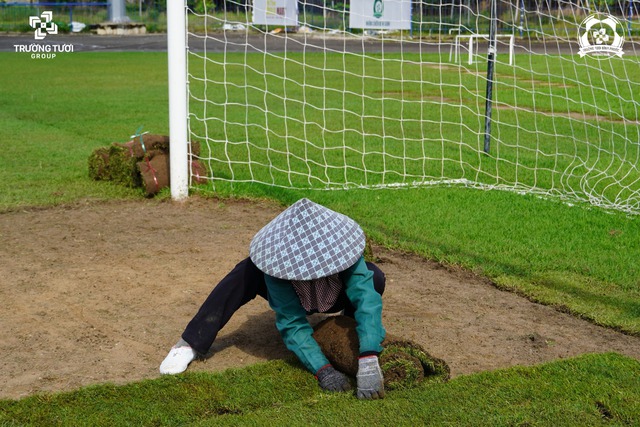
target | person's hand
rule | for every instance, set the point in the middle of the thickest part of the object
(332, 380)
(370, 380)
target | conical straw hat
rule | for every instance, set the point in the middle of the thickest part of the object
(307, 241)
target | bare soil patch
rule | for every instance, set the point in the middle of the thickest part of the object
(98, 292)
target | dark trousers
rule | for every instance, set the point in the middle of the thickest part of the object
(239, 287)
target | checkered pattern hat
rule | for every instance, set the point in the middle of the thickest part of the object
(307, 241)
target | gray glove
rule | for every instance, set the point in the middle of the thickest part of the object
(332, 380)
(370, 380)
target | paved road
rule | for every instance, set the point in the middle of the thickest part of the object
(240, 42)
(272, 43)
(90, 43)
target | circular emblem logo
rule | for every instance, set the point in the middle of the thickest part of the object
(378, 8)
(600, 36)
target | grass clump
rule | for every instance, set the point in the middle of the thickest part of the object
(406, 364)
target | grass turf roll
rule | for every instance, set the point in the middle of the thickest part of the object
(404, 363)
(99, 164)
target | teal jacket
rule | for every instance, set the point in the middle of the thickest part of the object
(291, 317)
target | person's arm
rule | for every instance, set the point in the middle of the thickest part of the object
(358, 281)
(291, 321)
(367, 302)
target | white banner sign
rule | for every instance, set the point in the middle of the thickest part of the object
(275, 12)
(380, 14)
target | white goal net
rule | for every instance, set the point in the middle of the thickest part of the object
(326, 94)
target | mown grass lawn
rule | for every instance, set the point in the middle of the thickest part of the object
(590, 390)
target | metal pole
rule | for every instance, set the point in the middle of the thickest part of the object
(117, 11)
(521, 17)
(178, 129)
(421, 18)
(410, 21)
(630, 17)
(491, 58)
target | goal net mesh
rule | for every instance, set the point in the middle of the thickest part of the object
(316, 104)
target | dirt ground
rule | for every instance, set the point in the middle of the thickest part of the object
(99, 292)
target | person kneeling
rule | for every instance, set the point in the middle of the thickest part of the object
(309, 259)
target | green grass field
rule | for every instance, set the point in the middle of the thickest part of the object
(579, 258)
(591, 390)
(315, 120)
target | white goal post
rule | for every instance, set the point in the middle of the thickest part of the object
(178, 100)
(307, 95)
(455, 47)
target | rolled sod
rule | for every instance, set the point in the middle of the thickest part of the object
(99, 164)
(149, 143)
(154, 170)
(404, 363)
(123, 167)
(142, 162)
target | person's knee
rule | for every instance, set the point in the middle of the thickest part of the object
(254, 279)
